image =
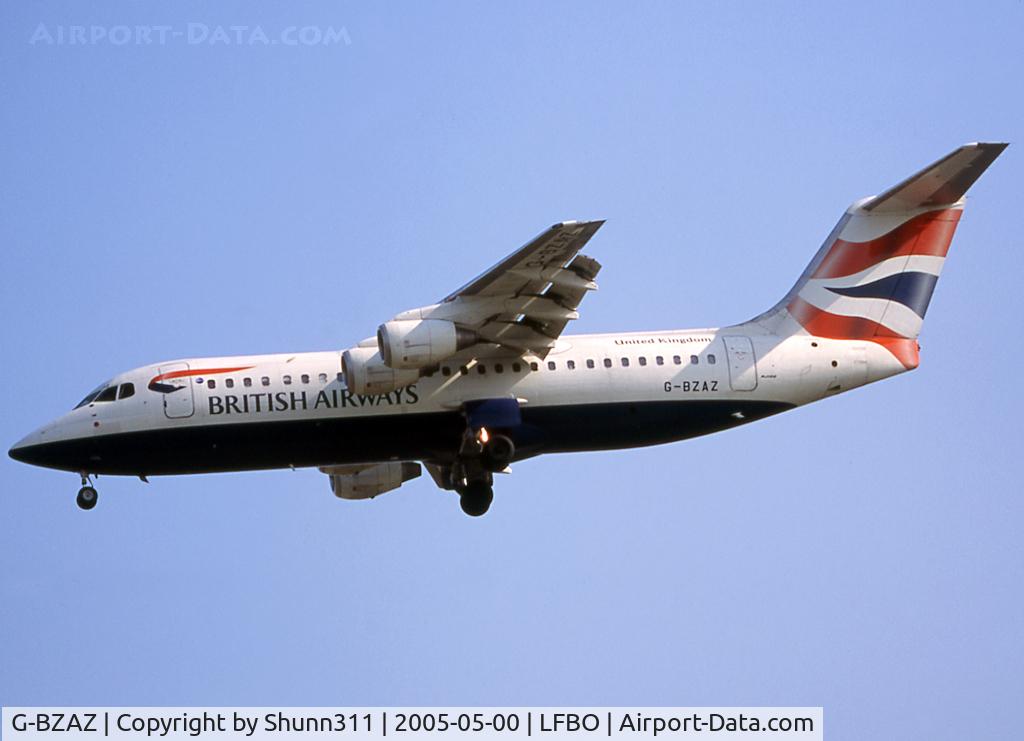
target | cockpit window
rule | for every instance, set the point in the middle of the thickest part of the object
(107, 394)
(91, 396)
(127, 389)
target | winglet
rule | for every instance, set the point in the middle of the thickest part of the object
(941, 183)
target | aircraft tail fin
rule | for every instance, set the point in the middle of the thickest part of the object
(873, 277)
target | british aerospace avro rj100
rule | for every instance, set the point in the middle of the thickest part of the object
(485, 377)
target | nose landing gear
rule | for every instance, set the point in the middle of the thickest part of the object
(87, 495)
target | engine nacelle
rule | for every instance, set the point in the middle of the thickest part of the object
(366, 482)
(420, 343)
(366, 373)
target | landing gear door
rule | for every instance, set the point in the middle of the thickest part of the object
(742, 364)
(175, 385)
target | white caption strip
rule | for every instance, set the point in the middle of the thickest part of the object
(551, 724)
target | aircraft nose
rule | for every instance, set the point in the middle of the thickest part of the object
(17, 452)
(59, 444)
(35, 449)
(23, 449)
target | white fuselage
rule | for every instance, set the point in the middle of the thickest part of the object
(740, 367)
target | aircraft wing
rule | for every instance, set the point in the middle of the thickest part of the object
(525, 301)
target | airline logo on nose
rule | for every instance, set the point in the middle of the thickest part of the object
(157, 383)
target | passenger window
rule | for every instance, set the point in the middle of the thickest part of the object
(247, 382)
(265, 380)
(230, 383)
(534, 366)
(570, 364)
(625, 362)
(481, 369)
(711, 359)
(694, 360)
(659, 360)
(499, 368)
(464, 370)
(607, 362)
(323, 378)
(446, 371)
(341, 378)
(590, 363)
(211, 384)
(551, 365)
(305, 378)
(287, 380)
(677, 360)
(643, 360)
(516, 367)
(107, 394)
(127, 389)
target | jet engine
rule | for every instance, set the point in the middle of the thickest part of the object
(366, 373)
(420, 343)
(366, 481)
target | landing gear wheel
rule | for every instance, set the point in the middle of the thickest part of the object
(87, 497)
(476, 498)
(498, 453)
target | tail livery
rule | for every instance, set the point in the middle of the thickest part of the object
(874, 276)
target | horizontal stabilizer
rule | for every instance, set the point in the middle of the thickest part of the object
(941, 183)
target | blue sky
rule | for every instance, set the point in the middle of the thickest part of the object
(176, 200)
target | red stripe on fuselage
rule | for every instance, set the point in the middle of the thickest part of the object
(926, 234)
(197, 372)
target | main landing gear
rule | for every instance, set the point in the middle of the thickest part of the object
(475, 497)
(471, 475)
(87, 495)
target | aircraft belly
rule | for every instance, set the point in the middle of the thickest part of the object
(616, 425)
(180, 449)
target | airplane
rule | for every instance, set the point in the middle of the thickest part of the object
(485, 377)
